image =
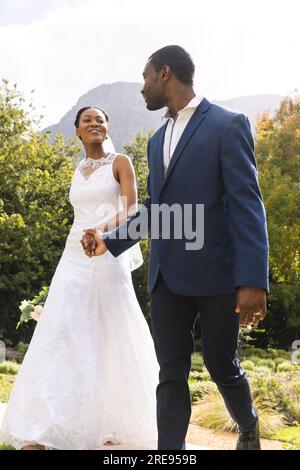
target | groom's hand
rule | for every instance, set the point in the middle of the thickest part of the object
(251, 305)
(100, 247)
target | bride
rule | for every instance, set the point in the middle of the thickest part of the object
(90, 373)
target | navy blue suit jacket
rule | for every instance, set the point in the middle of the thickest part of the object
(213, 164)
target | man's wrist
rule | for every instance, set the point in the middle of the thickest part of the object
(99, 233)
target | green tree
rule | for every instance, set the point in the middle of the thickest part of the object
(35, 214)
(137, 151)
(278, 156)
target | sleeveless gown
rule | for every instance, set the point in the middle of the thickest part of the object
(90, 373)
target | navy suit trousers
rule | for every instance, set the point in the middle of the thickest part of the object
(173, 318)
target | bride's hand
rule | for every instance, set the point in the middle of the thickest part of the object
(100, 245)
(89, 244)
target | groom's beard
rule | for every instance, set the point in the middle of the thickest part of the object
(152, 107)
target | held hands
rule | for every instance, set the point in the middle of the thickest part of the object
(92, 243)
(89, 244)
(251, 305)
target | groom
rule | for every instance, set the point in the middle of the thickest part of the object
(203, 154)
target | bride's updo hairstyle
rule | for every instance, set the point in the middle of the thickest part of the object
(77, 119)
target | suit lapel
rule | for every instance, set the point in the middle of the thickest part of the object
(195, 121)
(158, 159)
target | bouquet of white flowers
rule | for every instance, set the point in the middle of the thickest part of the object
(32, 309)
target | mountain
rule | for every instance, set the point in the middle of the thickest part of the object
(128, 114)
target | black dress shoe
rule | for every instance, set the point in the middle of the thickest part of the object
(249, 440)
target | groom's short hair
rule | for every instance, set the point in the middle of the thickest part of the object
(179, 61)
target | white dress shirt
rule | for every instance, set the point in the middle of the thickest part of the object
(175, 128)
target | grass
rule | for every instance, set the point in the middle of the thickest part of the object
(212, 413)
(6, 384)
(275, 385)
(8, 371)
(4, 447)
(290, 436)
(9, 367)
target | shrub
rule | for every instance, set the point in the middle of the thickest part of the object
(263, 370)
(21, 350)
(286, 367)
(248, 365)
(267, 363)
(276, 395)
(279, 360)
(9, 368)
(250, 351)
(280, 389)
(199, 389)
(6, 384)
(212, 413)
(197, 362)
(254, 359)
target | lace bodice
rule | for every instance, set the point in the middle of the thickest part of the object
(95, 197)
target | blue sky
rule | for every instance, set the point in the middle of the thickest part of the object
(63, 48)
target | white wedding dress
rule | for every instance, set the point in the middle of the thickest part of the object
(90, 373)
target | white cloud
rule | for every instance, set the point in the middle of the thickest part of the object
(28, 11)
(239, 47)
